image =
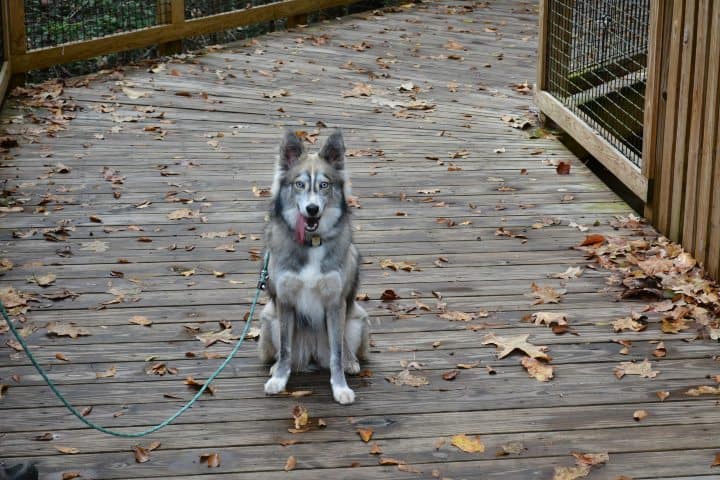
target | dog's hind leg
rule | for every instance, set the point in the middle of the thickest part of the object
(269, 334)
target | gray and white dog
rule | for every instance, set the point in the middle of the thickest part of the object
(312, 319)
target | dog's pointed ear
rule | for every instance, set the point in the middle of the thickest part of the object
(291, 149)
(333, 151)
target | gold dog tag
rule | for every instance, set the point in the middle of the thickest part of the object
(315, 240)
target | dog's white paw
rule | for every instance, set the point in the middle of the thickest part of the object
(343, 395)
(351, 367)
(275, 385)
(273, 368)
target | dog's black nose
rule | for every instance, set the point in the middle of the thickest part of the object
(312, 209)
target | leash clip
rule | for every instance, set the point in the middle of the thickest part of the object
(262, 283)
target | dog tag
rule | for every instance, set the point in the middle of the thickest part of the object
(315, 240)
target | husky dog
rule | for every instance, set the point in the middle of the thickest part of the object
(312, 319)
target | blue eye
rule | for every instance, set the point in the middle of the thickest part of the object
(324, 185)
(300, 185)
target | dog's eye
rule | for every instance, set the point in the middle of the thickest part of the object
(300, 185)
(324, 185)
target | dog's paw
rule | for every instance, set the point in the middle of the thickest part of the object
(351, 367)
(273, 368)
(343, 395)
(275, 385)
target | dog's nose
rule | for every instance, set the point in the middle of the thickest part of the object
(312, 209)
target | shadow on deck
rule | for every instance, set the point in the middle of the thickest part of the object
(426, 97)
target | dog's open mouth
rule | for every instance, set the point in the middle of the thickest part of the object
(311, 224)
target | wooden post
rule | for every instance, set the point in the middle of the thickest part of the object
(294, 21)
(16, 36)
(170, 12)
(542, 47)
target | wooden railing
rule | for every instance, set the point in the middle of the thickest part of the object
(172, 27)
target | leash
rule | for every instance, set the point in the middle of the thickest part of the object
(190, 403)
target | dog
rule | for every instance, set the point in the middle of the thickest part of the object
(312, 319)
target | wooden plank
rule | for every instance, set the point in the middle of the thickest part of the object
(597, 146)
(16, 37)
(45, 57)
(542, 50)
(682, 131)
(697, 108)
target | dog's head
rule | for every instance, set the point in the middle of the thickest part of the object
(310, 189)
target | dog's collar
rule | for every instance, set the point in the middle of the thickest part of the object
(313, 241)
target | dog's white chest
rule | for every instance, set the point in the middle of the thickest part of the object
(309, 302)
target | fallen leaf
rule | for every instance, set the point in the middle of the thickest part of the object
(407, 378)
(571, 272)
(571, 473)
(359, 90)
(563, 168)
(140, 320)
(662, 395)
(183, 213)
(375, 449)
(639, 415)
(66, 330)
(703, 390)
(281, 92)
(546, 294)
(290, 463)
(135, 94)
(506, 345)
(142, 454)
(510, 448)
(62, 357)
(301, 416)
(70, 475)
(450, 375)
(365, 434)
(592, 239)
(97, 246)
(225, 336)
(388, 263)
(549, 318)
(456, 316)
(195, 385)
(468, 444)
(538, 370)
(635, 323)
(212, 459)
(591, 459)
(45, 280)
(67, 450)
(389, 295)
(644, 369)
(109, 373)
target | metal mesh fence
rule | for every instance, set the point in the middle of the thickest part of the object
(596, 64)
(203, 8)
(50, 23)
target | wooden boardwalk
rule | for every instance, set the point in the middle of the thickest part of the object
(437, 170)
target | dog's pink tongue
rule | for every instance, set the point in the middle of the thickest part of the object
(300, 224)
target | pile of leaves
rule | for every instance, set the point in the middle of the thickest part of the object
(652, 267)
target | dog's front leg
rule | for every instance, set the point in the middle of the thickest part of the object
(331, 291)
(288, 287)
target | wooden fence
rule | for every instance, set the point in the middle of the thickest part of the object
(172, 26)
(677, 78)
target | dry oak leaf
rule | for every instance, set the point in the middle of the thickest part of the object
(140, 320)
(468, 444)
(673, 325)
(301, 416)
(571, 272)
(407, 378)
(571, 473)
(591, 458)
(290, 463)
(44, 280)
(506, 345)
(212, 459)
(456, 316)
(395, 266)
(546, 294)
(703, 390)
(538, 370)
(644, 369)
(224, 336)
(183, 213)
(195, 385)
(66, 330)
(635, 323)
(549, 318)
(141, 453)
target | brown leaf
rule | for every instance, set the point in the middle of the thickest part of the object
(301, 416)
(375, 449)
(639, 415)
(571, 473)
(70, 475)
(635, 323)
(450, 375)
(225, 336)
(140, 320)
(644, 369)
(546, 294)
(716, 461)
(457, 316)
(65, 330)
(183, 213)
(195, 385)
(109, 373)
(407, 378)
(703, 390)
(44, 280)
(510, 448)
(662, 395)
(506, 345)
(67, 450)
(359, 90)
(142, 454)
(395, 266)
(290, 463)
(62, 357)
(365, 434)
(563, 168)
(591, 459)
(468, 444)
(538, 370)
(389, 295)
(593, 239)
(212, 459)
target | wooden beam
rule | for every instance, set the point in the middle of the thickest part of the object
(170, 12)
(5, 74)
(45, 57)
(295, 20)
(17, 39)
(544, 10)
(597, 146)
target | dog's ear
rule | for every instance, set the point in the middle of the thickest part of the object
(333, 151)
(291, 149)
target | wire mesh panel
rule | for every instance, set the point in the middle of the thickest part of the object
(203, 8)
(50, 23)
(596, 64)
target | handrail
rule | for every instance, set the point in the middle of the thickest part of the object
(174, 27)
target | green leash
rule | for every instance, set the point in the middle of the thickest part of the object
(169, 420)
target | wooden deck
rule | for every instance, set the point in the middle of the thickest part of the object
(207, 132)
